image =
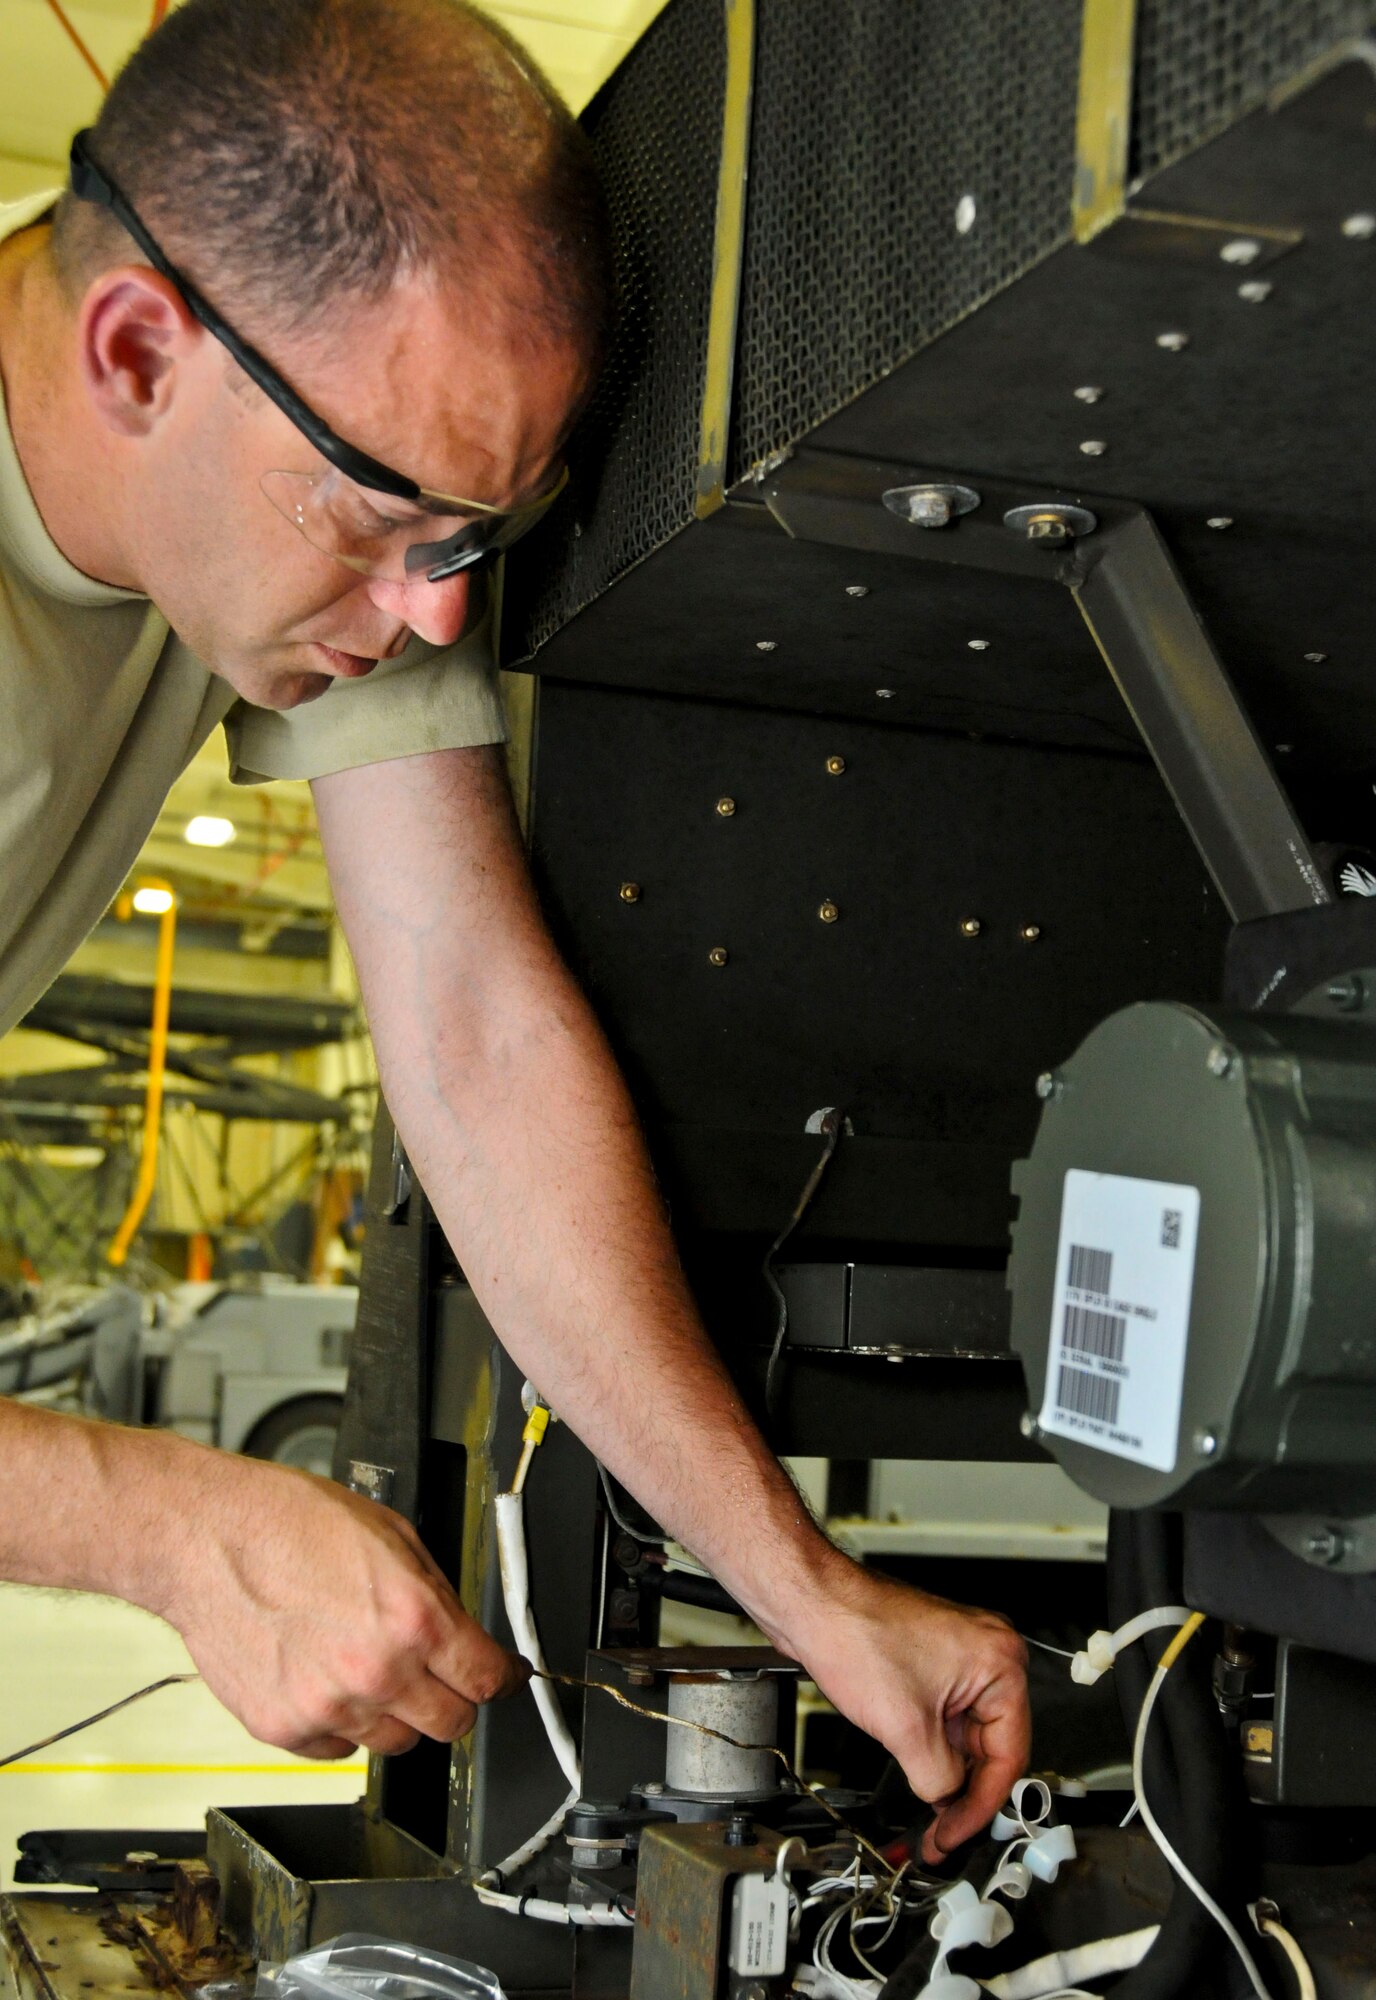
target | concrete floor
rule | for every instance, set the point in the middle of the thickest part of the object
(159, 1763)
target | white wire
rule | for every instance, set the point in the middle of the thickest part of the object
(604, 1915)
(1221, 1917)
(1273, 1927)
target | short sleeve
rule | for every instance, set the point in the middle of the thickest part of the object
(426, 699)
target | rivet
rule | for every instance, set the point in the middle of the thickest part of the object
(766, 645)
(857, 590)
(978, 645)
(1094, 447)
(965, 215)
(1220, 1060)
(1255, 290)
(1028, 1425)
(1316, 659)
(1360, 227)
(718, 955)
(1030, 933)
(725, 808)
(836, 765)
(1284, 749)
(630, 892)
(828, 912)
(884, 694)
(970, 927)
(1088, 395)
(1219, 521)
(1206, 1443)
(1049, 1085)
(1172, 342)
(1242, 250)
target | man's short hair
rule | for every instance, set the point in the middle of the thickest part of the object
(295, 155)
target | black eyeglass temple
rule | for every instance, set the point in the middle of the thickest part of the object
(89, 183)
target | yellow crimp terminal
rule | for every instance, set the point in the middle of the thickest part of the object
(537, 1423)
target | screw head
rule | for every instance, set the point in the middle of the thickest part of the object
(1094, 447)
(885, 694)
(1316, 659)
(725, 808)
(1049, 1085)
(857, 590)
(1241, 250)
(653, 1790)
(836, 765)
(1088, 394)
(629, 892)
(1219, 521)
(828, 912)
(1327, 1545)
(965, 215)
(1028, 1425)
(1360, 227)
(1255, 291)
(1221, 1060)
(978, 645)
(1206, 1444)
(718, 955)
(766, 645)
(1030, 933)
(1173, 342)
(1348, 993)
(1047, 528)
(970, 927)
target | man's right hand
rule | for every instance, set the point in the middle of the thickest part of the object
(318, 1617)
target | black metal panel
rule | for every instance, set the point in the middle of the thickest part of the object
(930, 1039)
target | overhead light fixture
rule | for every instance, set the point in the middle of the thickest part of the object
(208, 830)
(152, 902)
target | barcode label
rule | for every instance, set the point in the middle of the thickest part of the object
(1092, 1396)
(1091, 1270)
(1090, 1332)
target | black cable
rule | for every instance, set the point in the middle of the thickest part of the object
(832, 1126)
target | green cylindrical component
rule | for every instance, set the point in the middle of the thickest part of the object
(1194, 1262)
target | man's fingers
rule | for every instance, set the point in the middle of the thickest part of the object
(387, 1736)
(471, 1662)
(432, 1707)
(324, 1747)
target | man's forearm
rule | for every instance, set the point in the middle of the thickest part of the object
(528, 1147)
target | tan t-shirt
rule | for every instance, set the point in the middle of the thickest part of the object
(102, 707)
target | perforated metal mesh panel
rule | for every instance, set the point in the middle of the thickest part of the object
(656, 129)
(880, 129)
(1201, 64)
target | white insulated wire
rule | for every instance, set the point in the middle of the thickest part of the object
(1304, 1978)
(1060, 1970)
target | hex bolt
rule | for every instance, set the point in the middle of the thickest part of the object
(835, 766)
(766, 645)
(857, 590)
(640, 1677)
(1360, 227)
(970, 927)
(978, 645)
(1173, 342)
(654, 1790)
(1348, 994)
(1221, 1060)
(1094, 447)
(1047, 528)
(1088, 395)
(142, 1857)
(1255, 291)
(1206, 1444)
(1241, 250)
(828, 912)
(718, 955)
(929, 510)
(725, 808)
(740, 1830)
(1049, 1085)
(1029, 933)
(1327, 1545)
(624, 1606)
(629, 892)
(1219, 521)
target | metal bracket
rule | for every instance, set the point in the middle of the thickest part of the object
(1140, 615)
(728, 252)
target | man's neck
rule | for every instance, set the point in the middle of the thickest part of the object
(65, 467)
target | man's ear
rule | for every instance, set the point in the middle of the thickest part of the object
(133, 330)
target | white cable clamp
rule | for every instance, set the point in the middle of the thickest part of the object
(1102, 1648)
(964, 1918)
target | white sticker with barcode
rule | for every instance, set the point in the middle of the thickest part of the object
(1120, 1315)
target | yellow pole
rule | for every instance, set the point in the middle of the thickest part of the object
(157, 1068)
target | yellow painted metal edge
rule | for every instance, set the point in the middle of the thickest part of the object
(310, 1769)
(1104, 116)
(727, 255)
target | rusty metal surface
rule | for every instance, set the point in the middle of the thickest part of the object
(680, 1907)
(705, 1663)
(71, 1947)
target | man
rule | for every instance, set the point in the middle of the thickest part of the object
(393, 215)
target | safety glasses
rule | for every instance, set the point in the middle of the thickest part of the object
(343, 512)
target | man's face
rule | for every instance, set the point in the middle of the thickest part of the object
(442, 394)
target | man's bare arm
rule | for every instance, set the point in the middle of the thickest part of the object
(315, 1616)
(523, 1133)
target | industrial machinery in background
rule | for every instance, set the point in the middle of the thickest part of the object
(967, 534)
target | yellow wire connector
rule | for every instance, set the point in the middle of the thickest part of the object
(537, 1423)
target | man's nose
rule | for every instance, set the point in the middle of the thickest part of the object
(436, 612)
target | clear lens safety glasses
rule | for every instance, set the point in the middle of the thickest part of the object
(375, 536)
